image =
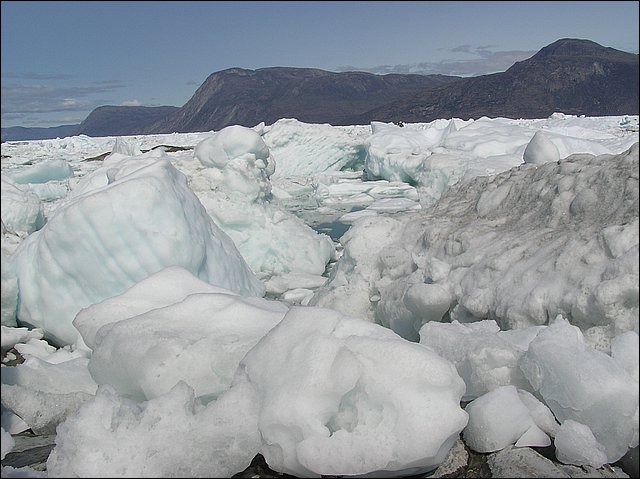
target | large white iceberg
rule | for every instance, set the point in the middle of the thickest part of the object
(129, 219)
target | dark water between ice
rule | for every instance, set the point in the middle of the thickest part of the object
(319, 219)
(333, 229)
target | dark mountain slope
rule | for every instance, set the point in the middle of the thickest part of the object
(122, 120)
(570, 76)
(247, 97)
(18, 133)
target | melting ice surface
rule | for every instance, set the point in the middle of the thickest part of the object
(328, 297)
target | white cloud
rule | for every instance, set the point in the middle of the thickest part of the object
(71, 103)
(40, 98)
(133, 102)
(486, 62)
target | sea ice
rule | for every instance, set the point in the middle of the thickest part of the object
(173, 435)
(22, 210)
(518, 247)
(498, 419)
(342, 396)
(128, 220)
(581, 384)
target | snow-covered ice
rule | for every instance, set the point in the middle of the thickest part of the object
(485, 357)
(21, 208)
(206, 316)
(234, 186)
(581, 384)
(342, 396)
(123, 222)
(198, 339)
(498, 419)
(173, 435)
(519, 247)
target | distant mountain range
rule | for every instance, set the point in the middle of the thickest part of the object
(571, 76)
(16, 133)
(122, 120)
(103, 121)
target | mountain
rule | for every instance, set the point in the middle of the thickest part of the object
(571, 76)
(122, 120)
(103, 121)
(19, 133)
(247, 97)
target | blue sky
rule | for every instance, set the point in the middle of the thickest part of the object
(60, 60)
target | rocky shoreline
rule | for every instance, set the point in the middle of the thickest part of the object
(32, 451)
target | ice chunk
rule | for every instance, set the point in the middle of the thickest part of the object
(540, 150)
(164, 288)
(306, 149)
(624, 350)
(44, 394)
(12, 336)
(173, 435)
(396, 154)
(428, 300)
(575, 444)
(584, 385)
(21, 209)
(125, 146)
(9, 291)
(7, 442)
(498, 419)
(540, 413)
(351, 288)
(342, 396)
(110, 237)
(235, 188)
(484, 356)
(534, 436)
(241, 158)
(199, 340)
(519, 247)
(51, 191)
(44, 171)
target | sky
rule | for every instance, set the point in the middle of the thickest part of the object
(60, 60)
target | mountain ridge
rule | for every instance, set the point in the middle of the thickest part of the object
(247, 97)
(572, 76)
